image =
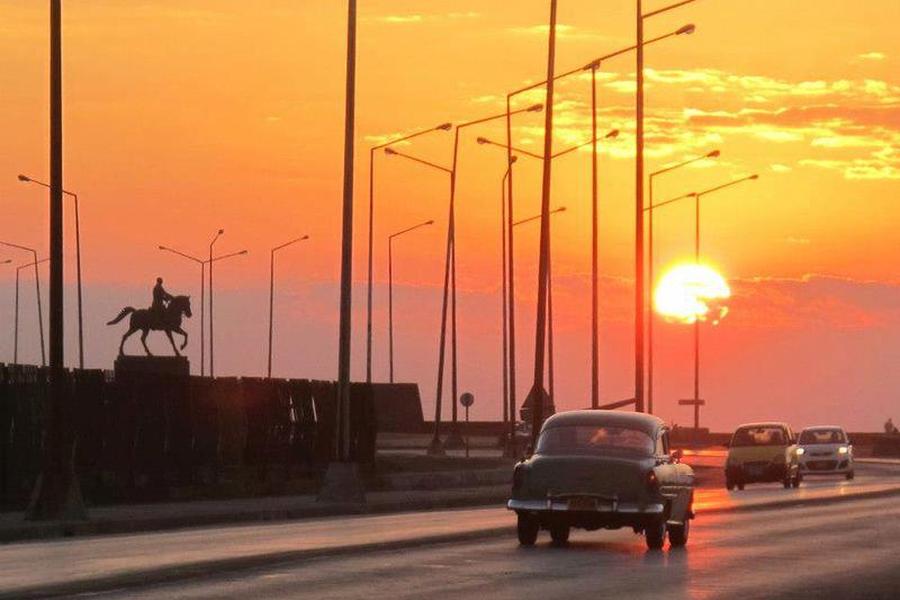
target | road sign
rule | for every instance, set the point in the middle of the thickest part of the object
(467, 399)
(692, 402)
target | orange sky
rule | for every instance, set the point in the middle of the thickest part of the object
(185, 116)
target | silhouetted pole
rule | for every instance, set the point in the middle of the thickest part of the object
(343, 384)
(212, 344)
(650, 268)
(37, 289)
(372, 150)
(74, 196)
(537, 388)
(436, 447)
(639, 201)
(504, 371)
(16, 319)
(57, 495)
(272, 294)
(697, 198)
(391, 291)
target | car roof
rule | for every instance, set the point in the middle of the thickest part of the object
(822, 427)
(615, 418)
(767, 424)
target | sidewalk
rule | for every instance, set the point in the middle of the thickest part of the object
(172, 515)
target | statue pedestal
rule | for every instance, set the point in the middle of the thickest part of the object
(143, 366)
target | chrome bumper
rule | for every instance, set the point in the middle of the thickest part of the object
(563, 506)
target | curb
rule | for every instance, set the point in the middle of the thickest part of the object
(794, 502)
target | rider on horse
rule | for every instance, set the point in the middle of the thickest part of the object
(160, 298)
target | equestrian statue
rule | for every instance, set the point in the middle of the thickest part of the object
(164, 314)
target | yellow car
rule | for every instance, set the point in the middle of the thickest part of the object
(762, 452)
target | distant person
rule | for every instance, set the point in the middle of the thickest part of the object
(161, 298)
(889, 426)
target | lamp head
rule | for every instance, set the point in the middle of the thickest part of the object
(612, 134)
(754, 176)
(513, 159)
(713, 154)
(390, 151)
(686, 29)
(445, 126)
(221, 231)
(161, 247)
(592, 65)
(561, 209)
(242, 252)
(429, 222)
(24, 178)
(305, 237)
(535, 108)
(483, 140)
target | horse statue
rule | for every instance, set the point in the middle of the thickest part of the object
(168, 319)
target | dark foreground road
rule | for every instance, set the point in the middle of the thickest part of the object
(845, 549)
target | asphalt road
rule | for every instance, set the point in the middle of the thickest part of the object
(808, 548)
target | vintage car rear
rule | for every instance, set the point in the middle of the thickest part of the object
(762, 452)
(603, 469)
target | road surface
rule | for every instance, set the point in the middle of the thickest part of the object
(845, 549)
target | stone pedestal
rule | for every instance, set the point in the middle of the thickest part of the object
(142, 366)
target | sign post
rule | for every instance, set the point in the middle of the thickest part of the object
(467, 400)
(696, 403)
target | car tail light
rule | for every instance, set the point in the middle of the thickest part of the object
(652, 482)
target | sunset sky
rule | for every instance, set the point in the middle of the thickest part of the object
(184, 116)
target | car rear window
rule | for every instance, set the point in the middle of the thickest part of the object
(759, 436)
(593, 440)
(823, 436)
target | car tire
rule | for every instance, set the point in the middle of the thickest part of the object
(678, 534)
(559, 533)
(655, 534)
(787, 481)
(729, 484)
(850, 475)
(740, 485)
(798, 479)
(527, 529)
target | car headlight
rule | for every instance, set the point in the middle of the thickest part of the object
(801, 451)
(843, 450)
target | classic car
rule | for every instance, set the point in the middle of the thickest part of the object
(825, 450)
(762, 452)
(601, 469)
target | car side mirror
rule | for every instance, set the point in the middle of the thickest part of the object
(529, 450)
(677, 455)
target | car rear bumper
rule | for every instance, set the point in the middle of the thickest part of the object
(824, 466)
(614, 507)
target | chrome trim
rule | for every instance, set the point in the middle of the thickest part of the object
(617, 508)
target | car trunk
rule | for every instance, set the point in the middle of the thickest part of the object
(624, 478)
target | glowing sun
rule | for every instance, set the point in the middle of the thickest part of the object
(690, 293)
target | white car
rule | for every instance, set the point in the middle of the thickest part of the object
(825, 450)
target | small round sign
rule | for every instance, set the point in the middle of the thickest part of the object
(467, 399)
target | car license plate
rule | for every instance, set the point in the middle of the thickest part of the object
(582, 504)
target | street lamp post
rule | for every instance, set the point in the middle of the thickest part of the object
(650, 267)
(696, 402)
(504, 371)
(593, 66)
(16, 314)
(74, 196)
(391, 291)
(372, 150)
(272, 294)
(202, 264)
(37, 289)
(212, 371)
(639, 196)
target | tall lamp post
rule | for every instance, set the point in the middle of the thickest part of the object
(202, 264)
(639, 198)
(372, 150)
(272, 294)
(74, 196)
(391, 290)
(650, 266)
(696, 401)
(504, 371)
(212, 345)
(16, 314)
(37, 289)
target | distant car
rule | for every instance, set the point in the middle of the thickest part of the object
(762, 452)
(600, 469)
(825, 450)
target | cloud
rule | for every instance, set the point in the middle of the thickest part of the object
(779, 168)
(872, 56)
(423, 18)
